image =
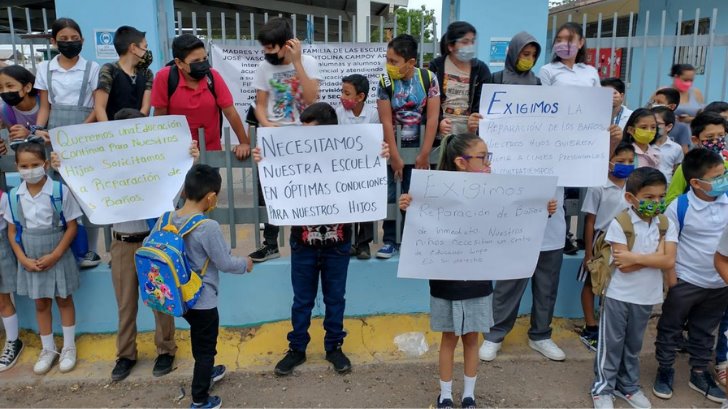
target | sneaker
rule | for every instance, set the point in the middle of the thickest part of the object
(341, 363)
(291, 360)
(45, 361)
(67, 361)
(703, 382)
(590, 339)
(386, 251)
(662, 388)
(445, 404)
(90, 260)
(637, 400)
(569, 247)
(489, 350)
(603, 401)
(547, 348)
(163, 365)
(122, 369)
(721, 370)
(213, 402)
(10, 354)
(468, 403)
(264, 252)
(363, 253)
(218, 372)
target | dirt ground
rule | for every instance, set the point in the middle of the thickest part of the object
(501, 383)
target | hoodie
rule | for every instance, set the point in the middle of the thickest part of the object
(510, 75)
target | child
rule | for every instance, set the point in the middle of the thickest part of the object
(719, 107)
(126, 83)
(8, 285)
(286, 83)
(721, 348)
(405, 99)
(601, 205)
(636, 285)
(640, 131)
(460, 309)
(20, 103)
(698, 295)
(354, 110)
(206, 246)
(670, 153)
(523, 52)
(620, 113)
(709, 131)
(47, 268)
(670, 98)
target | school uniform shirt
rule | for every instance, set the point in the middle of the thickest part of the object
(198, 105)
(3, 205)
(680, 134)
(723, 243)
(553, 237)
(285, 91)
(606, 202)
(38, 211)
(21, 117)
(671, 155)
(649, 158)
(368, 115)
(703, 227)
(67, 83)
(642, 287)
(409, 102)
(557, 73)
(622, 117)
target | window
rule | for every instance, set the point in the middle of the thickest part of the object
(689, 54)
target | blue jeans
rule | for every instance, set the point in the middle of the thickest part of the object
(721, 349)
(389, 227)
(307, 263)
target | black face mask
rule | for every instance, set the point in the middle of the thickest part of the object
(12, 98)
(273, 58)
(199, 69)
(146, 60)
(69, 49)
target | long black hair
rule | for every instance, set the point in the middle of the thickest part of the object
(64, 22)
(455, 31)
(575, 31)
(22, 75)
(453, 146)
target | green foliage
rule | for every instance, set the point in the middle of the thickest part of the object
(416, 17)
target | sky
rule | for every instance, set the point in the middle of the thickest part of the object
(430, 4)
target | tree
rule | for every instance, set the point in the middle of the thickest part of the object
(415, 17)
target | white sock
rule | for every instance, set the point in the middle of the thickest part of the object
(469, 386)
(11, 327)
(69, 336)
(445, 390)
(47, 342)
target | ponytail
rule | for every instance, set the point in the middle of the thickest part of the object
(453, 146)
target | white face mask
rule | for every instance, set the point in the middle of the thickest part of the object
(32, 175)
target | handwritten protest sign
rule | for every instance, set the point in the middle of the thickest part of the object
(323, 174)
(474, 226)
(124, 170)
(551, 131)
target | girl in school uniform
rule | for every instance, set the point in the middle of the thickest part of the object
(66, 85)
(47, 269)
(640, 131)
(20, 102)
(568, 65)
(8, 285)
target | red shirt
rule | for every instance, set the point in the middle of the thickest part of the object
(198, 105)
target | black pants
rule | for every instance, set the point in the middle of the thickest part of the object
(270, 232)
(703, 309)
(364, 234)
(203, 336)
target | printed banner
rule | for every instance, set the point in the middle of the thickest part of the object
(474, 226)
(328, 174)
(125, 170)
(548, 131)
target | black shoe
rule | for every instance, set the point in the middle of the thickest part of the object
(363, 253)
(569, 247)
(468, 403)
(10, 354)
(122, 369)
(445, 404)
(662, 388)
(352, 251)
(704, 383)
(341, 363)
(291, 360)
(265, 252)
(163, 365)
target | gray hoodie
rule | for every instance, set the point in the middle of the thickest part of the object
(510, 75)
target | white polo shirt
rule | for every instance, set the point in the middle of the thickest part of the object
(606, 202)
(38, 210)
(723, 243)
(671, 155)
(702, 230)
(557, 73)
(368, 115)
(622, 117)
(67, 83)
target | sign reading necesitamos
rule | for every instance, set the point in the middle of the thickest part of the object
(474, 226)
(125, 170)
(548, 131)
(323, 174)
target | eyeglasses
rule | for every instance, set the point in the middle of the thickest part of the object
(485, 159)
(31, 138)
(722, 177)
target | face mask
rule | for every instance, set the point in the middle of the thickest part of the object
(11, 98)
(273, 58)
(622, 171)
(681, 85)
(394, 72)
(199, 69)
(348, 104)
(524, 64)
(643, 136)
(565, 50)
(69, 49)
(32, 175)
(146, 60)
(715, 145)
(718, 186)
(465, 53)
(657, 105)
(651, 208)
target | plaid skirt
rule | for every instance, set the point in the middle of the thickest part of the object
(461, 316)
(8, 266)
(62, 115)
(61, 280)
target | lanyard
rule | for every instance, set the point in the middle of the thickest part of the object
(619, 116)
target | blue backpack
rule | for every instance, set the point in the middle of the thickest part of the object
(79, 245)
(682, 210)
(167, 283)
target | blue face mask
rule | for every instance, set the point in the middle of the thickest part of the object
(622, 171)
(718, 186)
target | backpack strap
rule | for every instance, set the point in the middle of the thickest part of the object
(625, 222)
(387, 83)
(165, 223)
(662, 225)
(172, 81)
(57, 201)
(682, 209)
(192, 223)
(15, 213)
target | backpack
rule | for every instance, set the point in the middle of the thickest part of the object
(386, 83)
(79, 245)
(167, 283)
(600, 267)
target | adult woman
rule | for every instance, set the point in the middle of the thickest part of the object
(691, 99)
